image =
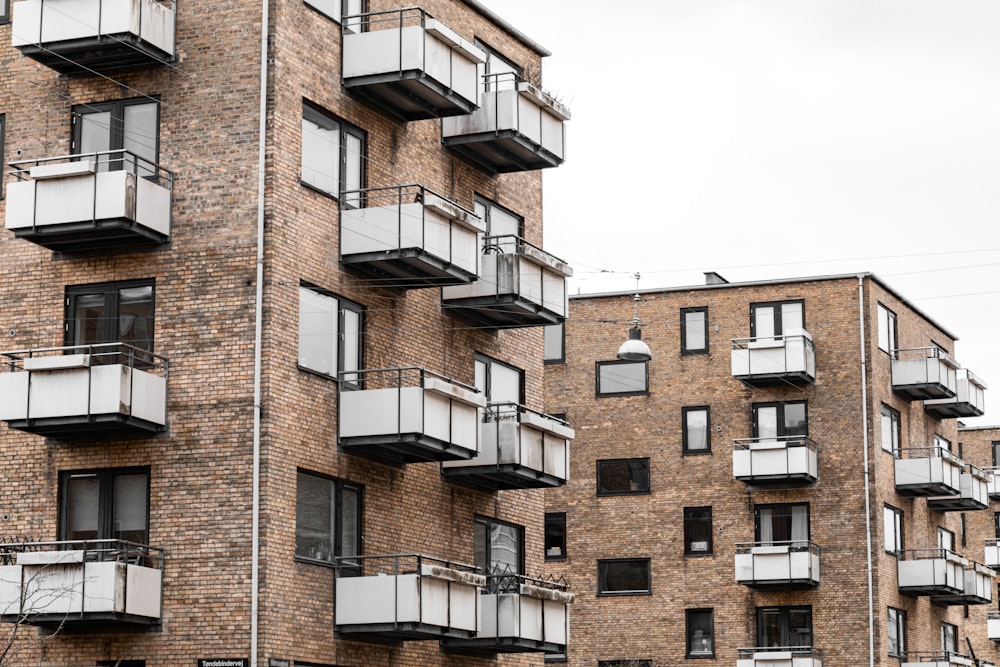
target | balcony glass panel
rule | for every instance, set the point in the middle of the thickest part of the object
(779, 656)
(778, 564)
(931, 572)
(973, 492)
(969, 400)
(928, 471)
(775, 460)
(774, 359)
(924, 373)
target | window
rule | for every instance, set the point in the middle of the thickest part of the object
(498, 220)
(4, 15)
(781, 522)
(129, 125)
(621, 378)
(892, 529)
(111, 313)
(498, 546)
(945, 539)
(890, 430)
(330, 332)
(786, 420)
(996, 525)
(697, 438)
(781, 318)
(995, 448)
(700, 632)
(327, 518)
(949, 637)
(623, 576)
(338, 9)
(555, 343)
(497, 73)
(697, 531)
(784, 626)
(887, 341)
(622, 476)
(694, 330)
(555, 536)
(107, 504)
(333, 155)
(896, 632)
(942, 442)
(501, 383)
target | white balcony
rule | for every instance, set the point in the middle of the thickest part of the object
(77, 36)
(973, 492)
(517, 127)
(993, 483)
(408, 415)
(778, 565)
(991, 557)
(928, 471)
(406, 597)
(993, 625)
(779, 656)
(924, 373)
(969, 399)
(408, 236)
(978, 587)
(84, 391)
(410, 64)
(519, 285)
(936, 659)
(777, 360)
(934, 572)
(519, 448)
(89, 202)
(105, 583)
(786, 460)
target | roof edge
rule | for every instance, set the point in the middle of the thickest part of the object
(503, 23)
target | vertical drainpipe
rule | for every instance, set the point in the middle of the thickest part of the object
(864, 438)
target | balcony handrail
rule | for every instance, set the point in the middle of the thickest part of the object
(793, 545)
(797, 651)
(931, 352)
(502, 579)
(977, 471)
(966, 374)
(394, 378)
(401, 194)
(932, 553)
(106, 550)
(934, 656)
(104, 353)
(392, 17)
(395, 564)
(505, 81)
(993, 614)
(992, 541)
(740, 444)
(931, 452)
(494, 245)
(500, 411)
(127, 160)
(744, 343)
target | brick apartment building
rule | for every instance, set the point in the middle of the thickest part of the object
(272, 376)
(781, 485)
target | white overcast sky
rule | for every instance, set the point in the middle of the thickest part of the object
(781, 138)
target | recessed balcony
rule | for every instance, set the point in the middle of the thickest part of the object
(991, 557)
(95, 201)
(410, 65)
(969, 399)
(408, 415)
(103, 585)
(517, 127)
(85, 391)
(973, 492)
(924, 373)
(87, 36)
(993, 625)
(404, 597)
(519, 614)
(936, 659)
(779, 656)
(786, 460)
(778, 565)
(928, 471)
(519, 448)
(774, 360)
(519, 285)
(977, 589)
(934, 572)
(407, 236)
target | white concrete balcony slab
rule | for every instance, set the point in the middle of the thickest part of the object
(993, 625)
(973, 492)
(934, 572)
(408, 415)
(777, 360)
(779, 656)
(778, 565)
(928, 471)
(517, 127)
(785, 460)
(95, 201)
(519, 448)
(80, 36)
(936, 659)
(924, 373)
(969, 399)
(88, 391)
(410, 65)
(408, 236)
(107, 583)
(991, 556)
(978, 588)
(395, 598)
(519, 285)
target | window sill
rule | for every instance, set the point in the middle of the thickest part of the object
(310, 186)
(623, 393)
(700, 656)
(618, 594)
(556, 559)
(694, 353)
(697, 452)
(319, 374)
(313, 561)
(612, 494)
(699, 554)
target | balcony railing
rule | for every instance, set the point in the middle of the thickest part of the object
(90, 583)
(408, 415)
(519, 448)
(520, 285)
(517, 127)
(969, 399)
(934, 572)
(977, 588)
(73, 203)
(779, 656)
(924, 373)
(973, 492)
(993, 625)
(936, 659)
(392, 598)
(94, 35)
(928, 471)
(783, 460)
(774, 360)
(410, 64)
(408, 236)
(82, 391)
(784, 565)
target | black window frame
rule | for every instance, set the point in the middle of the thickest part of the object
(995, 450)
(344, 10)
(561, 327)
(691, 519)
(785, 612)
(896, 436)
(602, 576)
(343, 128)
(636, 463)
(489, 206)
(106, 498)
(4, 14)
(690, 650)
(896, 618)
(783, 429)
(117, 130)
(343, 305)
(3, 122)
(337, 486)
(685, 435)
(949, 635)
(109, 326)
(555, 536)
(892, 322)
(898, 532)
(486, 522)
(489, 363)
(996, 524)
(778, 324)
(685, 350)
(618, 362)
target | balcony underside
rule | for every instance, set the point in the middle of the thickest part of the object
(925, 489)
(950, 410)
(923, 391)
(502, 151)
(781, 479)
(955, 600)
(107, 53)
(393, 634)
(934, 590)
(955, 504)
(92, 235)
(90, 622)
(488, 647)
(106, 426)
(409, 267)
(502, 477)
(781, 584)
(506, 311)
(404, 448)
(409, 95)
(761, 380)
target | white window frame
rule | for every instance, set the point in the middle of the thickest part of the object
(891, 428)
(343, 331)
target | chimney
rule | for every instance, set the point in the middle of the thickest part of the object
(713, 278)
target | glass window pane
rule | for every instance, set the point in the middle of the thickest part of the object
(623, 476)
(95, 131)
(135, 316)
(317, 331)
(699, 632)
(505, 384)
(696, 433)
(769, 628)
(505, 548)
(320, 151)
(795, 420)
(480, 545)
(352, 342)
(130, 511)
(791, 318)
(83, 508)
(555, 535)
(767, 422)
(350, 522)
(314, 517)
(615, 378)
(88, 319)
(763, 321)
(800, 627)
(695, 330)
(554, 342)
(625, 576)
(353, 168)
(141, 128)
(502, 223)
